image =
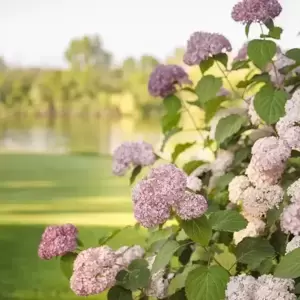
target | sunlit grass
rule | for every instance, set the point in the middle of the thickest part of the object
(38, 190)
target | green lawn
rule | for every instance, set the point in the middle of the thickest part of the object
(37, 190)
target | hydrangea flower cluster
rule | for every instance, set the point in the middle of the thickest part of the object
(290, 219)
(132, 154)
(245, 287)
(95, 269)
(164, 78)
(202, 45)
(287, 125)
(58, 241)
(256, 10)
(162, 189)
(294, 191)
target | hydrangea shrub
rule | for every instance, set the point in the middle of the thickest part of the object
(228, 228)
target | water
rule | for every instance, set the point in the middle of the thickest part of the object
(76, 134)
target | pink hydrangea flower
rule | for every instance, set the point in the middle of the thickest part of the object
(132, 154)
(94, 271)
(58, 241)
(191, 206)
(256, 10)
(202, 45)
(164, 78)
(290, 219)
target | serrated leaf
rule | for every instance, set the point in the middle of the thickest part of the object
(212, 106)
(66, 264)
(247, 28)
(199, 230)
(227, 220)
(206, 64)
(168, 135)
(269, 104)
(207, 283)
(103, 240)
(289, 266)
(164, 256)
(119, 293)
(170, 122)
(222, 58)
(135, 172)
(138, 264)
(191, 166)
(261, 52)
(228, 126)
(179, 149)
(172, 104)
(293, 54)
(253, 251)
(240, 64)
(208, 87)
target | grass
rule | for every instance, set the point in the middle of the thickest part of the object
(37, 190)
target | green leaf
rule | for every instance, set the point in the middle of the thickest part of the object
(135, 172)
(103, 240)
(212, 106)
(275, 33)
(161, 234)
(178, 282)
(172, 104)
(289, 266)
(119, 293)
(253, 251)
(168, 135)
(138, 264)
(227, 220)
(164, 256)
(269, 104)
(170, 122)
(222, 58)
(223, 181)
(179, 149)
(79, 242)
(247, 28)
(240, 64)
(266, 266)
(264, 77)
(228, 126)
(269, 24)
(293, 54)
(66, 264)
(199, 230)
(207, 283)
(241, 155)
(261, 52)
(206, 64)
(208, 87)
(191, 166)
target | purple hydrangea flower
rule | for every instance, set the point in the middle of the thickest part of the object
(58, 241)
(191, 206)
(132, 153)
(202, 45)
(94, 271)
(164, 78)
(256, 10)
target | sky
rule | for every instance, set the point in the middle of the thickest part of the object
(37, 32)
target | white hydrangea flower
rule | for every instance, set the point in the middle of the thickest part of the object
(272, 288)
(292, 106)
(236, 188)
(240, 287)
(257, 201)
(194, 183)
(254, 117)
(158, 286)
(293, 244)
(294, 191)
(290, 219)
(255, 228)
(127, 254)
(222, 162)
(292, 137)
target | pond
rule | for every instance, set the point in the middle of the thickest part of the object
(60, 135)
